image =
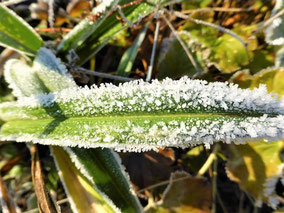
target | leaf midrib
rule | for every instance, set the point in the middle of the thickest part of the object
(149, 116)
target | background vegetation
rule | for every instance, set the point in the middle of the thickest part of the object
(237, 41)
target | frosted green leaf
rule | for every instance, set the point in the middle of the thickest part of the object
(82, 194)
(111, 26)
(46, 74)
(52, 73)
(94, 168)
(103, 168)
(139, 116)
(22, 79)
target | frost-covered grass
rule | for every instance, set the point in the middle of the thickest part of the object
(139, 116)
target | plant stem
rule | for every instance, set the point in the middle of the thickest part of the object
(214, 181)
(150, 68)
(189, 55)
(101, 74)
(208, 163)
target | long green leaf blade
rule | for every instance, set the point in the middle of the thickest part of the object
(15, 33)
(127, 60)
(109, 28)
(142, 116)
(86, 27)
(81, 192)
(103, 168)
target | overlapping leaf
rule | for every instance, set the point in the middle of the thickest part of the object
(50, 75)
(142, 116)
(107, 30)
(225, 51)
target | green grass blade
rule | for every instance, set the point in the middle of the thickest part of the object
(86, 27)
(15, 33)
(81, 193)
(141, 116)
(109, 28)
(127, 60)
(103, 167)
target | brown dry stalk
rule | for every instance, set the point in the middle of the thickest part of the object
(44, 200)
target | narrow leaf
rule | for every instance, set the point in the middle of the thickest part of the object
(141, 116)
(103, 168)
(15, 33)
(86, 27)
(127, 60)
(44, 200)
(81, 192)
(110, 27)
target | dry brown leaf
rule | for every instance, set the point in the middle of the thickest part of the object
(45, 202)
(187, 194)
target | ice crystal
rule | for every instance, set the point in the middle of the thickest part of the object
(168, 96)
(139, 116)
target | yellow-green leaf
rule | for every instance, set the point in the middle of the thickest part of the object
(271, 77)
(82, 194)
(15, 33)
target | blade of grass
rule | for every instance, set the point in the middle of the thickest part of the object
(20, 37)
(82, 195)
(127, 60)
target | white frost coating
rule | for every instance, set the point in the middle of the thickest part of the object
(51, 72)
(153, 136)
(46, 57)
(72, 203)
(78, 164)
(9, 79)
(188, 112)
(102, 7)
(22, 79)
(183, 95)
